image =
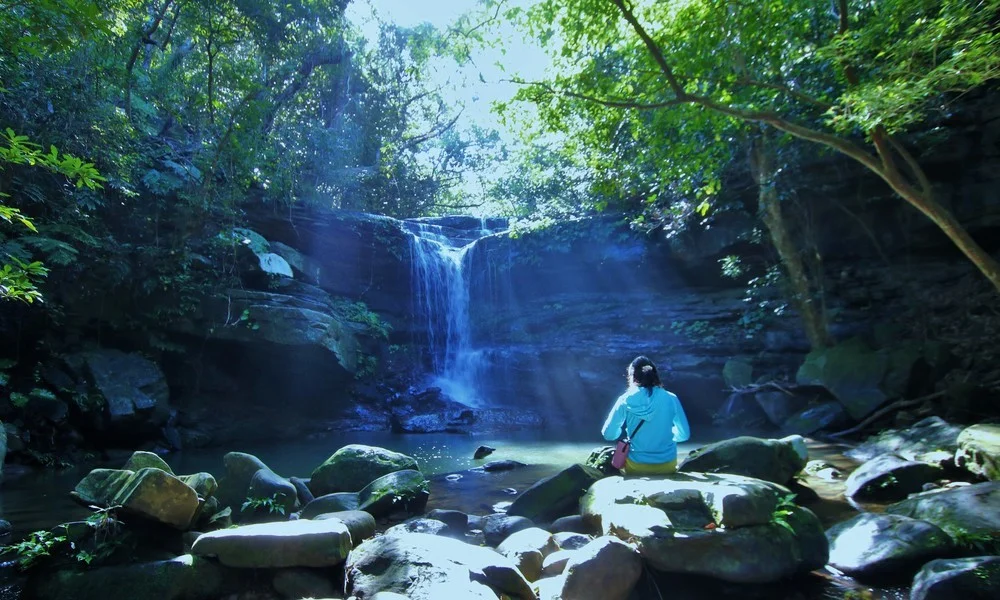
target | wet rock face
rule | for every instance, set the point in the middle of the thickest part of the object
(871, 544)
(355, 255)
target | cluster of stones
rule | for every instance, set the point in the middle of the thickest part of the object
(579, 534)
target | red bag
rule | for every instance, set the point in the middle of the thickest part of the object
(621, 453)
(623, 445)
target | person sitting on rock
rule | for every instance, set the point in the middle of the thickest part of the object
(662, 418)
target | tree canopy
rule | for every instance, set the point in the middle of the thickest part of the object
(665, 73)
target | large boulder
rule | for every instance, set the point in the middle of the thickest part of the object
(979, 450)
(862, 378)
(961, 511)
(328, 503)
(890, 477)
(872, 544)
(555, 496)
(159, 496)
(240, 469)
(134, 389)
(421, 566)
(397, 491)
(354, 466)
(183, 578)
(301, 543)
(265, 483)
(604, 569)
(141, 460)
(975, 578)
(729, 527)
(528, 549)
(100, 486)
(771, 460)
(924, 436)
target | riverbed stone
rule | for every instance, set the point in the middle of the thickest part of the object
(240, 468)
(301, 543)
(420, 525)
(134, 388)
(456, 520)
(428, 567)
(360, 524)
(605, 569)
(926, 435)
(960, 511)
(158, 495)
(851, 371)
(874, 544)
(555, 563)
(974, 578)
(185, 577)
(397, 491)
(729, 527)
(528, 549)
(100, 486)
(979, 450)
(142, 459)
(498, 527)
(203, 484)
(890, 477)
(265, 483)
(354, 466)
(776, 460)
(330, 503)
(555, 496)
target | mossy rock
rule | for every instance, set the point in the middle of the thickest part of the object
(143, 460)
(399, 490)
(355, 466)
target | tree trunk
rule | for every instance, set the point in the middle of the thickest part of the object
(812, 311)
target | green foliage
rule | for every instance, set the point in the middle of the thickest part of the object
(784, 508)
(358, 312)
(271, 506)
(976, 543)
(367, 366)
(38, 546)
(19, 400)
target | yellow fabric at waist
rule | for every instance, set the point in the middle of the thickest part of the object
(634, 468)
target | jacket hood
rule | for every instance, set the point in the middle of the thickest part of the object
(640, 403)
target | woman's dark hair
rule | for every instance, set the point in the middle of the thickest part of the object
(642, 372)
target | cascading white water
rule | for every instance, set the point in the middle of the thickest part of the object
(441, 297)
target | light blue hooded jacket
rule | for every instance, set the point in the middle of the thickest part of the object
(666, 424)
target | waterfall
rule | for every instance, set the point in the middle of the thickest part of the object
(441, 303)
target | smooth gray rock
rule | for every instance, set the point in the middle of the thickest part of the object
(398, 491)
(555, 496)
(330, 503)
(429, 567)
(975, 578)
(353, 467)
(767, 459)
(497, 527)
(872, 544)
(186, 577)
(890, 477)
(301, 543)
(728, 527)
(979, 450)
(927, 435)
(960, 511)
(605, 569)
